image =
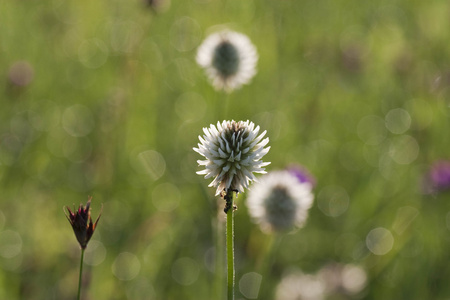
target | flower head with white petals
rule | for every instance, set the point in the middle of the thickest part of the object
(229, 59)
(233, 152)
(279, 201)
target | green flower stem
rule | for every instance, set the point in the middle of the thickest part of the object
(81, 271)
(230, 245)
(226, 99)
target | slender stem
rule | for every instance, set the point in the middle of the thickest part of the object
(226, 99)
(81, 271)
(230, 245)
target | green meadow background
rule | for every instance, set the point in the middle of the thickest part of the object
(113, 102)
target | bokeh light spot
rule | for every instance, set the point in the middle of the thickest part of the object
(77, 120)
(166, 197)
(333, 201)
(354, 278)
(126, 266)
(150, 162)
(185, 271)
(404, 149)
(95, 253)
(379, 241)
(398, 120)
(249, 285)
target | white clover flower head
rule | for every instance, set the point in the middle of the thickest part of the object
(279, 201)
(229, 59)
(233, 152)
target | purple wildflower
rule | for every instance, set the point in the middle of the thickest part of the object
(302, 174)
(438, 178)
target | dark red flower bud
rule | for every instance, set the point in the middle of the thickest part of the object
(82, 223)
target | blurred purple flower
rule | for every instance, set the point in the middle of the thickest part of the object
(302, 174)
(158, 6)
(21, 73)
(438, 178)
(82, 223)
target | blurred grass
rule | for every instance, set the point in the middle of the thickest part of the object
(116, 103)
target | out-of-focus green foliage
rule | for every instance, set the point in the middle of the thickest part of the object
(104, 98)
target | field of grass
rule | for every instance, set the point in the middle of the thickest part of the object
(105, 99)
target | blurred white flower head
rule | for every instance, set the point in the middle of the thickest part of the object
(279, 201)
(229, 59)
(344, 279)
(299, 286)
(233, 152)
